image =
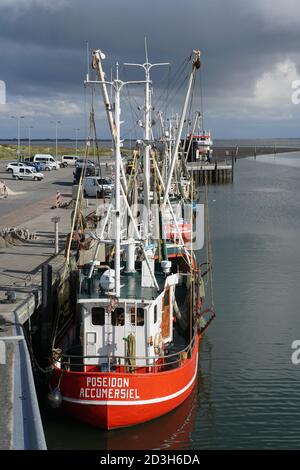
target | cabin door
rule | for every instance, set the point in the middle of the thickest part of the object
(166, 321)
(91, 340)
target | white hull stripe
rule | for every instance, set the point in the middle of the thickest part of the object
(134, 402)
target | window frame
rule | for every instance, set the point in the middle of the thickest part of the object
(114, 317)
(92, 316)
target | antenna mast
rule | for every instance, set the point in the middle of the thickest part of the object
(147, 135)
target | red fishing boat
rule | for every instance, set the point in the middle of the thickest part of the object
(132, 354)
(117, 399)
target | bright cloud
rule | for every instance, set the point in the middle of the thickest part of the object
(269, 98)
(38, 108)
(273, 89)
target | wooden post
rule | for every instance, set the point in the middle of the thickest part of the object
(232, 167)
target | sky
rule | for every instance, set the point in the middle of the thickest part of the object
(250, 58)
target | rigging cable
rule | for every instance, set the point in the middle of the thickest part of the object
(174, 81)
(76, 211)
(208, 244)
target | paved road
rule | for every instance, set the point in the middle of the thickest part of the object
(31, 194)
(32, 198)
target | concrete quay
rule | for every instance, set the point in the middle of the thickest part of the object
(20, 275)
(20, 272)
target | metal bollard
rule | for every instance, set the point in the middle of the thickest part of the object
(56, 237)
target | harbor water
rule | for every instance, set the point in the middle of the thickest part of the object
(247, 393)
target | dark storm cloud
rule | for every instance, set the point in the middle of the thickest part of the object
(42, 47)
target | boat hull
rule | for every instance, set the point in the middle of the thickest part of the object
(113, 400)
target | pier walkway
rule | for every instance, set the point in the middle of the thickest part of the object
(20, 277)
(211, 173)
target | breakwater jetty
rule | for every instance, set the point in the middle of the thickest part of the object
(220, 169)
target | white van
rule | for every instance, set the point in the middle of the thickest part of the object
(69, 159)
(47, 159)
(27, 173)
(94, 186)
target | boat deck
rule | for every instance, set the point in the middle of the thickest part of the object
(131, 287)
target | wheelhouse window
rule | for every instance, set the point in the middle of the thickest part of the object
(118, 317)
(98, 316)
(137, 318)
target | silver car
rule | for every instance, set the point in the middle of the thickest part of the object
(27, 173)
(10, 167)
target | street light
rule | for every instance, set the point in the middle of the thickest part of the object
(56, 125)
(76, 137)
(18, 119)
(29, 146)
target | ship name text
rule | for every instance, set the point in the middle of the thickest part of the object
(108, 388)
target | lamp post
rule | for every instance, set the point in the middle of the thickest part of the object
(19, 127)
(76, 137)
(56, 126)
(29, 141)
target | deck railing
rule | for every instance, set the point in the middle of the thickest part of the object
(157, 363)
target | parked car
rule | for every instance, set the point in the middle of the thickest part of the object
(94, 186)
(43, 166)
(69, 159)
(27, 173)
(10, 167)
(80, 162)
(37, 166)
(48, 159)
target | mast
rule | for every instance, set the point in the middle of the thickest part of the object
(196, 65)
(147, 66)
(115, 125)
(147, 134)
(117, 265)
(98, 56)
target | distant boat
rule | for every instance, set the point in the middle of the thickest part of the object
(200, 147)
